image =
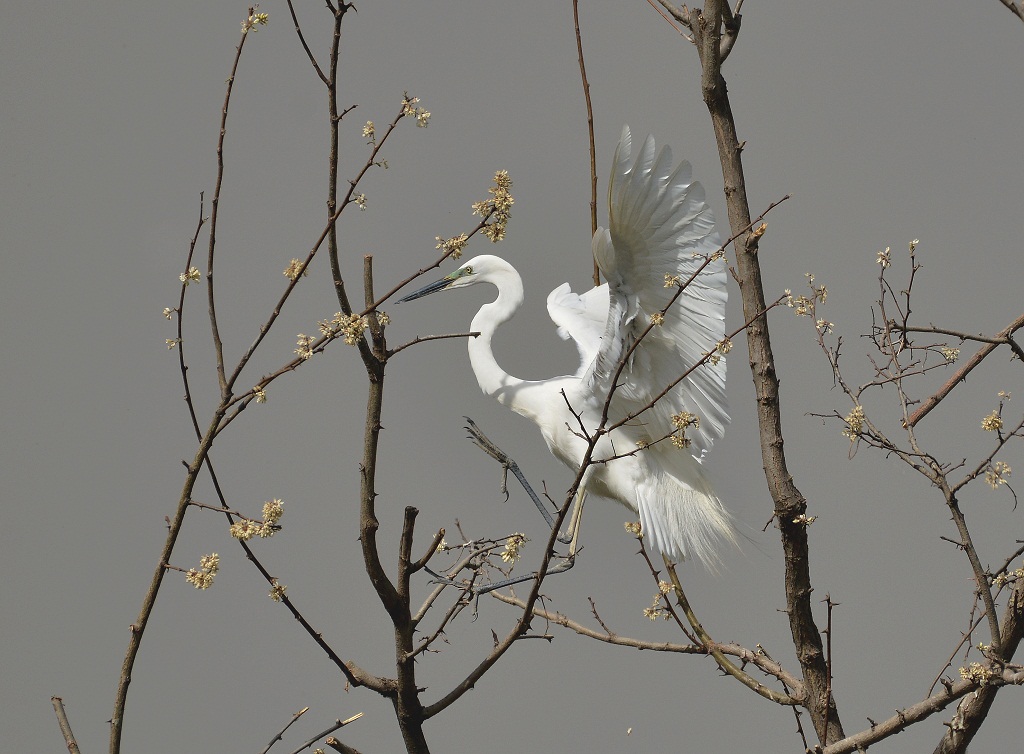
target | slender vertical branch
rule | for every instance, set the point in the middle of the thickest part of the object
(789, 502)
(65, 725)
(218, 344)
(149, 601)
(590, 131)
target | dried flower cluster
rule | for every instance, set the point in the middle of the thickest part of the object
(634, 528)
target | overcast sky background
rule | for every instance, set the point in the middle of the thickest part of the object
(886, 122)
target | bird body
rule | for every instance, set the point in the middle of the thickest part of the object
(659, 225)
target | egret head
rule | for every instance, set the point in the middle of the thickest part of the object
(482, 269)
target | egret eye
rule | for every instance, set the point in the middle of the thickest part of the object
(467, 270)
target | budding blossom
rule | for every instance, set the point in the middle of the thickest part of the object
(260, 394)
(168, 312)
(369, 132)
(634, 528)
(360, 199)
(883, 259)
(192, 276)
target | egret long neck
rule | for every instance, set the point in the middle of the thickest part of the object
(493, 379)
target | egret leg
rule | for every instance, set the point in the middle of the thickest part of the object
(573, 532)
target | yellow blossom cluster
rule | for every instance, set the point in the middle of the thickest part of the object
(350, 327)
(883, 259)
(202, 578)
(720, 350)
(1005, 578)
(682, 421)
(305, 346)
(657, 318)
(993, 422)
(191, 276)
(277, 590)
(512, 547)
(370, 132)
(498, 208)
(854, 423)
(997, 474)
(255, 20)
(453, 245)
(410, 110)
(977, 673)
(294, 269)
(949, 354)
(260, 394)
(246, 528)
(633, 527)
(657, 608)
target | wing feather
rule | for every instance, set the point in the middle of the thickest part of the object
(582, 318)
(660, 224)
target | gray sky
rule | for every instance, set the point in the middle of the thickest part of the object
(886, 122)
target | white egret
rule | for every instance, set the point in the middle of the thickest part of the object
(659, 229)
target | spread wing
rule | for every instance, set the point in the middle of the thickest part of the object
(582, 319)
(659, 224)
